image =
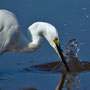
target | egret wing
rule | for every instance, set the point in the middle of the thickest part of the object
(7, 38)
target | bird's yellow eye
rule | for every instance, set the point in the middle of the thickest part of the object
(56, 41)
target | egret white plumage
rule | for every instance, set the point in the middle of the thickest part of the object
(12, 39)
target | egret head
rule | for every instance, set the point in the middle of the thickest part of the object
(53, 39)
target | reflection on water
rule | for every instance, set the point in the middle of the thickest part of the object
(69, 81)
(72, 81)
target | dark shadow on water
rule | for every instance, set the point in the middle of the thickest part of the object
(57, 67)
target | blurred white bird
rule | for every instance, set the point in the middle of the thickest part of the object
(12, 39)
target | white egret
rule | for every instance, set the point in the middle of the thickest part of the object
(12, 39)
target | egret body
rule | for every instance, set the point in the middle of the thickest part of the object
(12, 39)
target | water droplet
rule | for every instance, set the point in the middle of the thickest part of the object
(83, 30)
(81, 43)
(65, 24)
(87, 16)
(66, 33)
(78, 50)
(83, 8)
(77, 87)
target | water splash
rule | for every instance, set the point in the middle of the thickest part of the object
(71, 50)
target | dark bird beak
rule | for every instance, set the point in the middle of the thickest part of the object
(60, 54)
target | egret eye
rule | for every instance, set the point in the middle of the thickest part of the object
(56, 41)
(56, 38)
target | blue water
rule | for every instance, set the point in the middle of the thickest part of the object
(72, 20)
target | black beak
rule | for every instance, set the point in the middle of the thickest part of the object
(62, 57)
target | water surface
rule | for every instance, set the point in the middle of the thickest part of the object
(72, 20)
